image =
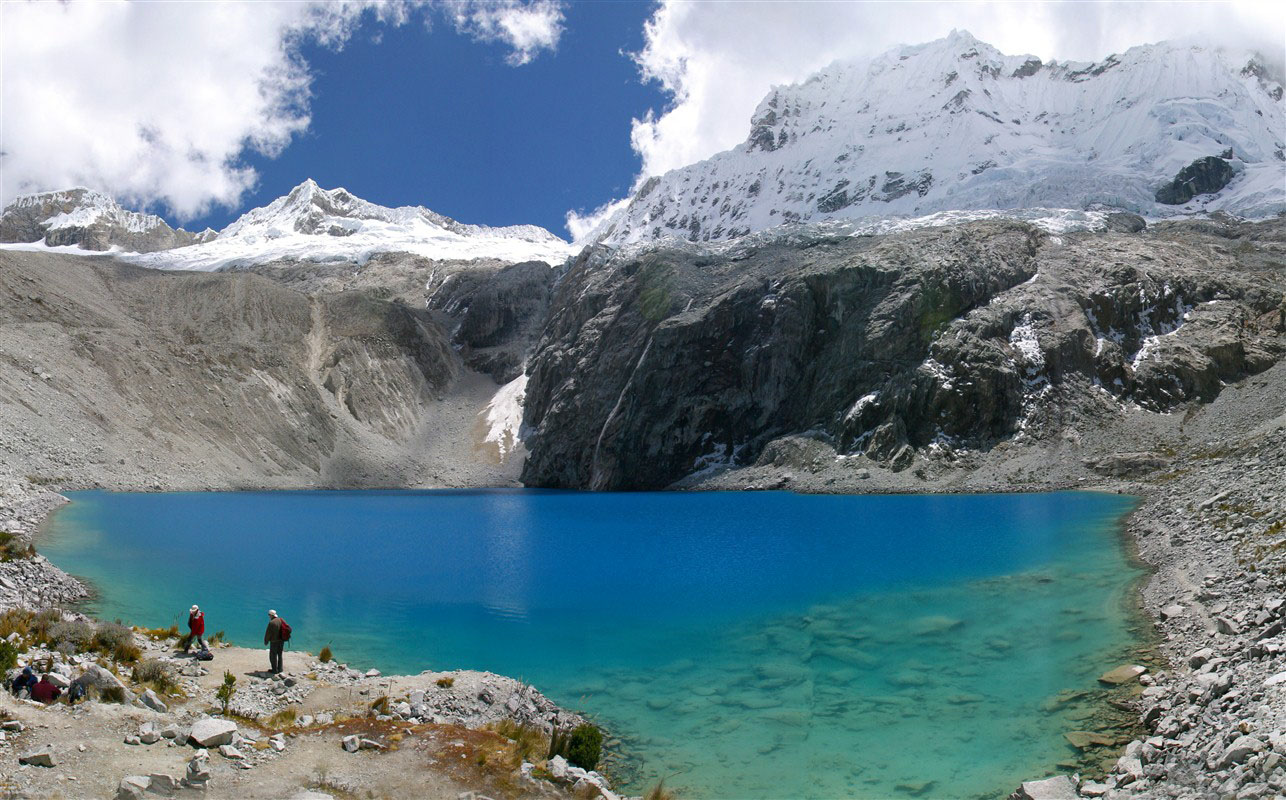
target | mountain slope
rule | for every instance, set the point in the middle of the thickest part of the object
(308, 224)
(956, 124)
(89, 220)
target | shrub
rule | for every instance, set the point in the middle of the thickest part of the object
(282, 719)
(528, 740)
(585, 746)
(445, 683)
(112, 694)
(380, 705)
(75, 632)
(659, 792)
(227, 690)
(217, 637)
(161, 634)
(8, 656)
(43, 622)
(16, 620)
(326, 655)
(157, 673)
(11, 547)
(111, 635)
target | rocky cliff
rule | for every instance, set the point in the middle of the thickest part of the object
(656, 362)
(91, 221)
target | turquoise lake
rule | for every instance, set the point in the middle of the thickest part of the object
(742, 645)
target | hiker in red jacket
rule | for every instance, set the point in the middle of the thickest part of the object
(45, 691)
(196, 629)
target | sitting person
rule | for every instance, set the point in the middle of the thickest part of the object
(24, 681)
(45, 691)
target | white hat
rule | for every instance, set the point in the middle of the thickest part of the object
(195, 608)
(272, 612)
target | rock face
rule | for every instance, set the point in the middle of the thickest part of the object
(90, 220)
(657, 363)
(497, 314)
(1203, 176)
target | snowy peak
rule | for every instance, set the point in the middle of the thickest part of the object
(87, 219)
(957, 125)
(307, 224)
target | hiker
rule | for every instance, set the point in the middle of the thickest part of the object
(24, 681)
(45, 691)
(196, 629)
(276, 636)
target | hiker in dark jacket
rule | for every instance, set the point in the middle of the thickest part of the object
(275, 640)
(45, 691)
(196, 629)
(24, 681)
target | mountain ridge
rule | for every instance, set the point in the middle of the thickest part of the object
(955, 124)
(309, 223)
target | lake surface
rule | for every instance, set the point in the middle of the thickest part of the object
(748, 645)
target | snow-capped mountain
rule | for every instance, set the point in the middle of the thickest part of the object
(309, 224)
(955, 124)
(88, 220)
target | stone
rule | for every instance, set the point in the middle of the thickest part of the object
(352, 743)
(1203, 176)
(228, 751)
(172, 732)
(1226, 626)
(1276, 680)
(212, 732)
(151, 736)
(40, 757)
(557, 767)
(1128, 769)
(1056, 788)
(132, 787)
(150, 699)
(1200, 657)
(371, 744)
(1240, 750)
(1083, 740)
(1122, 675)
(372, 673)
(1172, 611)
(1092, 789)
(164, 784)
(416, 698)
(133, 740)
(59, 680)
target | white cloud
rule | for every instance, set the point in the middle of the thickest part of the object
(156, 103)
(718, 60)
(581, 225)
(527, 29)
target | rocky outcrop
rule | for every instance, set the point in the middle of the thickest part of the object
(662, 362)
(495, 315)
(1203, 176)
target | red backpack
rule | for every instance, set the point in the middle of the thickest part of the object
(285, 631)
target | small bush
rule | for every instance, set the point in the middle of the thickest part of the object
(445, 683)
(43, 622)
(528, 740)
(127, 653)
(11, 547)
(217, 637)
(585, 746)
(380, 705)
(161, 634)
(157, 673)
(112, 694)
(111, 635)
(282, 719)
(77, 633)
(659, 792)
(8, 656)
(227, 690)
(326, 655)
(16, 620)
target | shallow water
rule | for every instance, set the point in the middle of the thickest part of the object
(741, 644)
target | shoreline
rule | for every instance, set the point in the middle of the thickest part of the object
(1147, 762)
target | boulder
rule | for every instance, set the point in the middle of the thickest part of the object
(212, 732)
(163, 784)
(148, 734)
(1226, 626)
(557, 767)
(228, 751)
(1276, 680)
(352, 743)
(150, 699)
(132, 787)
(1124, 222)
(1122, 675)
(59, 680)
(1203, 176)
(1083, 740)
(40, 757)
(1056, 788)
(1240, 750)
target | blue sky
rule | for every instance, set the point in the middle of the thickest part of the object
(405, 116)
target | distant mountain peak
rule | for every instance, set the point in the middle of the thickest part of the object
(955, 124)
(88, 219)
